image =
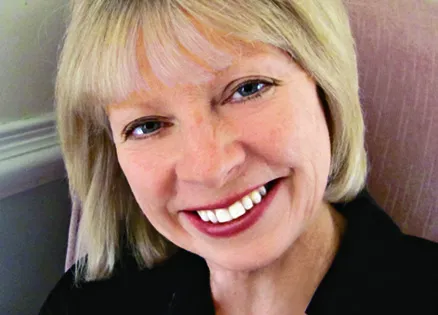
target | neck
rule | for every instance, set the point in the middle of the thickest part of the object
(287, 285)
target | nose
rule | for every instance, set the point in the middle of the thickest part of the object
(211, 154)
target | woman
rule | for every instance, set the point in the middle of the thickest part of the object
(224, 164)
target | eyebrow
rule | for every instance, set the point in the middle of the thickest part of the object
(254, 65)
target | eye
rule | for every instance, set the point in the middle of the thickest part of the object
(249, 90)
(147, 128)
(143, 128)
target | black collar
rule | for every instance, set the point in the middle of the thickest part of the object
(367, 251)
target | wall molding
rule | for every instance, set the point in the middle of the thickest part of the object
(30, 155)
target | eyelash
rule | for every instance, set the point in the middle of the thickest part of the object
(258, 94)
(128, 131)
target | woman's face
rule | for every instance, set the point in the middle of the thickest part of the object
(197, 152)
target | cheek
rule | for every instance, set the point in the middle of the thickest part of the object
(146, 177)
(295, 134)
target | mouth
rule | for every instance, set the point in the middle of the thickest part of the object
(238, 216)
(239, 208)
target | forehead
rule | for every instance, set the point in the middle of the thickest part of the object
(225, 55)
(176, 48)
(170, 64)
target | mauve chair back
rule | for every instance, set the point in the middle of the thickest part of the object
(397, 45)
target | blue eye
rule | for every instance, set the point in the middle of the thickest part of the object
(249, 90)
(145, 128)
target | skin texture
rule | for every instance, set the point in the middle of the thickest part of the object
(214, 145)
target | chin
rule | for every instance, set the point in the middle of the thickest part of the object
(252, 257)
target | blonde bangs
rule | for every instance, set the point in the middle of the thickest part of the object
(106, 70)
(98, 63)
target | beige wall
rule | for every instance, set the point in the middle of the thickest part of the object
(34, 200)
(30, 32)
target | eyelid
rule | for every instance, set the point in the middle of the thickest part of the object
(233, 86)
(236, 84)
(139, 121)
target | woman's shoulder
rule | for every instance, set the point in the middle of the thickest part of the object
(128, 291)
(409, 277)
(370, 224)
(376, 238)
(419, 262)
(378, 266)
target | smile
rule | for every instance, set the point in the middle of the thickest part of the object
(236, 210)
(240, 215)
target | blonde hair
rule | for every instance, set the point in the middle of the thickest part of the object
(98, 66)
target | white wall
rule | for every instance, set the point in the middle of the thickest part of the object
(30, 32)
(34, 200)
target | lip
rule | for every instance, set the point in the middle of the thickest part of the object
(236, 226)
(224, 203)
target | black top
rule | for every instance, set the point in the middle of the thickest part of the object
(377, 270)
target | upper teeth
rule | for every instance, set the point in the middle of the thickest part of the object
(234, 211)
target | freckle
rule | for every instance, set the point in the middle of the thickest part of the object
(273, 133)
(198, 118)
